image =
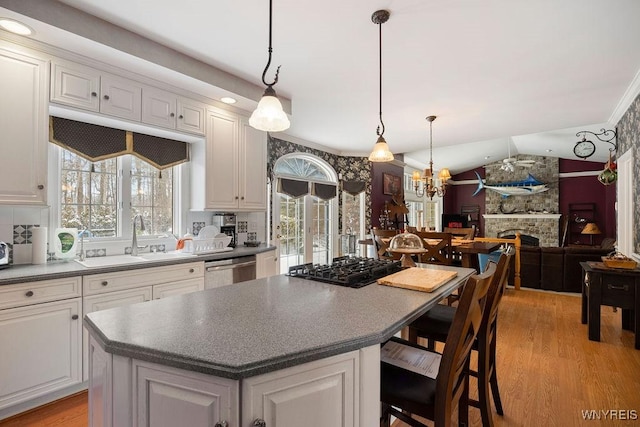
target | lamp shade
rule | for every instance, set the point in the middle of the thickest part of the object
(381, 152)
(444, 174)
(591, 228)
(269, 115)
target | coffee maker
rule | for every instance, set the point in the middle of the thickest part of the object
(226, 222)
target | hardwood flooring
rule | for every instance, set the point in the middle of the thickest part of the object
(549, 372)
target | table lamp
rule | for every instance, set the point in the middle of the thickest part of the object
(591, 228)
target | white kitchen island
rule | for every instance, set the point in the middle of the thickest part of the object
(278, 351)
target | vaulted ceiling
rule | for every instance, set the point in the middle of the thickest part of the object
(498, 73)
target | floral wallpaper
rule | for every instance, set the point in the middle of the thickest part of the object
(351, 168)
(628, 129)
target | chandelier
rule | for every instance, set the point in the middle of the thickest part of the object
(429, 186)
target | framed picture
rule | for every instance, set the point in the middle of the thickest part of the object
(391, 184)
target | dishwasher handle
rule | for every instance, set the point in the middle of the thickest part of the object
(230, 266)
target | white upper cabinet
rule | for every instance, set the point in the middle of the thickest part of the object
(229, 172)
(90, 89)
(120, 97)
(76, 86)
(252, 168)
(191, 115)
(168, 110)
(23, 128)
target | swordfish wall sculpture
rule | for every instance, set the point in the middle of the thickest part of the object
(527, 186)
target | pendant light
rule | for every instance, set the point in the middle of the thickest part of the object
(269, 115)
(380, 151)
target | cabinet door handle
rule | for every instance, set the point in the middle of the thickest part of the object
(191, 270)
(222, 424)
(40, 187)
(74, 317)
(259, 422)
(181, 116)
(104, 283)
(29, 294)
(106, 97)
(242, 198)
(618, 287)
(172, 115)
(94, 94)
(236, 197)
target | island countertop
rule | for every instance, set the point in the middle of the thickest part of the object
(260, 326)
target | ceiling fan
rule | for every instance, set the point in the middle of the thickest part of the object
(509, 164)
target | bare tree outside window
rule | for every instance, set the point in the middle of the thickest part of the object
(90, 190)
(89, 196)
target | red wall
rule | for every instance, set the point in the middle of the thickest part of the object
(377, 198)
(584, 189)
(587, 189)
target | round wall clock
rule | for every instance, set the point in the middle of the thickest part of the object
(584, 149)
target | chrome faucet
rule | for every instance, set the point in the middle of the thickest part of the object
(134, 238)
(82, 253)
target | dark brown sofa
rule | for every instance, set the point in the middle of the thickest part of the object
(555, 268)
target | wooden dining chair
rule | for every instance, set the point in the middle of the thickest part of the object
(381, 240)
(438, 248)
(436, 324)
(466, 233)
(404, 393)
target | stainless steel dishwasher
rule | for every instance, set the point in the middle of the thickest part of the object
(229, 271)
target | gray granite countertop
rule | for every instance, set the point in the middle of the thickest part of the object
(263, 325)
(58, 269)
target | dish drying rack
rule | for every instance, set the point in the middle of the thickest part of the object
(210, 246)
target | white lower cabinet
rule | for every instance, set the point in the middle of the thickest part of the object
(40, 350)
(267, 264)
(122, 288)
(104, 302)
(166, 397)
(339, 391)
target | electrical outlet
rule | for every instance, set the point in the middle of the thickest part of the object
(253, 226)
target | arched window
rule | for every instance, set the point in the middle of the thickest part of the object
(304, 209)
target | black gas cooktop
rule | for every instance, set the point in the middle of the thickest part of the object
(353, 272)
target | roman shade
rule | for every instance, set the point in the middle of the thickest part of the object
(95, 143)
(354, 187)
(292, 187)
(324, 191)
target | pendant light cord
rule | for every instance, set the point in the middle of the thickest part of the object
(264, 73)
(380, 68)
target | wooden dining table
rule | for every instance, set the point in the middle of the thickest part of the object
(470, 251)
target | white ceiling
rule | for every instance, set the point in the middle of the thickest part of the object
(495, 72)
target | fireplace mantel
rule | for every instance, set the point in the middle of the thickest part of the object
(522, 216)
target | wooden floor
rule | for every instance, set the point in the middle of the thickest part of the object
(549, 372)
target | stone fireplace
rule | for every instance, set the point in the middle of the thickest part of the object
(545, 227)
(536, 214)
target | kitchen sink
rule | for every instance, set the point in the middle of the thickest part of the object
(158, 256)
(107, 261)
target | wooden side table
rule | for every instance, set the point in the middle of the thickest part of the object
(611, 287)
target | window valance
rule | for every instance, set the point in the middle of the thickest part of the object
(95, 143)
(324, 191)
(354, 187)
(292, 187)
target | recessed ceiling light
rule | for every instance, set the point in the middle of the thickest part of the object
(548, 150)
(16, 27)
(228, 100)
(487, 157)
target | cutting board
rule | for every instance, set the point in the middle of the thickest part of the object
(418, 279)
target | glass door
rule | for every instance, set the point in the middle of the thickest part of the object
(304, 227)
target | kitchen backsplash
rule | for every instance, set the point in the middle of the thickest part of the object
(16, 224)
